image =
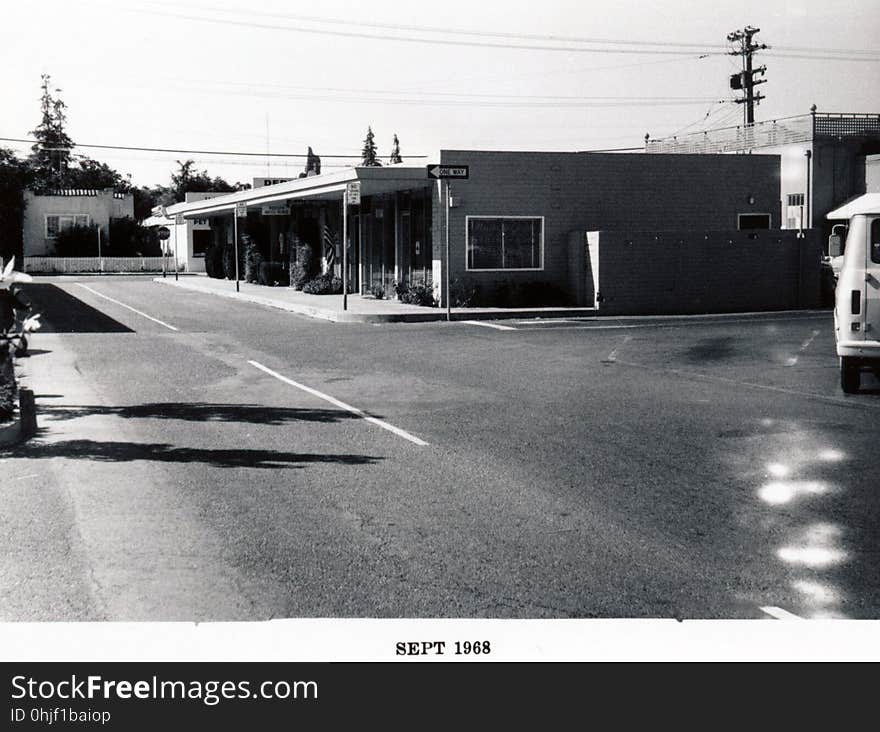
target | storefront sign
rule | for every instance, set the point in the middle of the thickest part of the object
(276, 209)
(263, 182)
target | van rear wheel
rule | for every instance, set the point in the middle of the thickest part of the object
(850, 375)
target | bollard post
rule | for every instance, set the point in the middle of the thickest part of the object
(27, 407)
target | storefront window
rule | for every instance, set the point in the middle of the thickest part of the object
(504, 242)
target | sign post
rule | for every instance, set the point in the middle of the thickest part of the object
(163, 233)
(447, 173)
(448, 293)
(240, 212)
(178, 221)
(352, 196)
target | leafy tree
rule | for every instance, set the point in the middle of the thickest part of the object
(92, 174)
(52, 164)
(188, 180)
(146, 198)
(127, 238)
(395, 151)
(368, 153)
(15, 175)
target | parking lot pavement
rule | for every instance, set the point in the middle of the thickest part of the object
(696, 468)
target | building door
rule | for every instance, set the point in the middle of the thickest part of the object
(592, 271)
(405, 247)
(872, 282)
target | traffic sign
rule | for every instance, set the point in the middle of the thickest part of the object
(444, 172)
(241, 210)
(164, 232)
(178, 219)
(353, 193)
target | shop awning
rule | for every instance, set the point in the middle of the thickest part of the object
(327, 187)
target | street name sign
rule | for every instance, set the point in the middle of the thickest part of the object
(447, 172)
(241, 210)
(163, 233)
(353, 193)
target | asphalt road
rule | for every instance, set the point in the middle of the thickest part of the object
(186, 468)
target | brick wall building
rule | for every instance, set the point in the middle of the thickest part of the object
(565, 192)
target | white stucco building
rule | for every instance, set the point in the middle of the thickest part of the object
(45, 215)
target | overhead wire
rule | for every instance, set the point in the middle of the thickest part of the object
(412, 39)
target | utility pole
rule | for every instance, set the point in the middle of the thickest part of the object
(746, 79)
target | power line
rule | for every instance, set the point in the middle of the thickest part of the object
(412, 39)
(435, 29)
(196, 152)
(553, 37)
(636, 46)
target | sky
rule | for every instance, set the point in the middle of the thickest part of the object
(282, 75)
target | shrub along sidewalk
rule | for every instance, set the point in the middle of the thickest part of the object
(360, 309)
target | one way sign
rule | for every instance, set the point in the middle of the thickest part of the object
(438, 172)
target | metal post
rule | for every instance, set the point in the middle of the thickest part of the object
(235, 243)
(448, 259)
(100, 263)
(176, 266)
(345, 249)
(808, 154)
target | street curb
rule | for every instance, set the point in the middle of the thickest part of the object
(24, 424)
(10, 434)
(439, 314)
(430, 314)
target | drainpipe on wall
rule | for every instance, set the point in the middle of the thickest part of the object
(808, 154)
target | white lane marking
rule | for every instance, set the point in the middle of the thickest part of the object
(779, 613)
(22, 477)
(804, 346)
(750, 385)
(127, 307)
(488, 325)
(612, 357)
(342, 405)
(546, 322)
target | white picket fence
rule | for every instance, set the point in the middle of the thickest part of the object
(72, 265)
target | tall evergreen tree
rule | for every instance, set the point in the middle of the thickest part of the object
(51, 154)
(369, 156)
(313, 163)
(395, 151)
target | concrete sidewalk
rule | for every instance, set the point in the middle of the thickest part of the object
(360, 309)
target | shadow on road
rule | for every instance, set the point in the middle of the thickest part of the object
(61, 312)
(711, 349)
(120, 452)
(201, 412)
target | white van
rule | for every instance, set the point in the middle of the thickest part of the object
(857, 296)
